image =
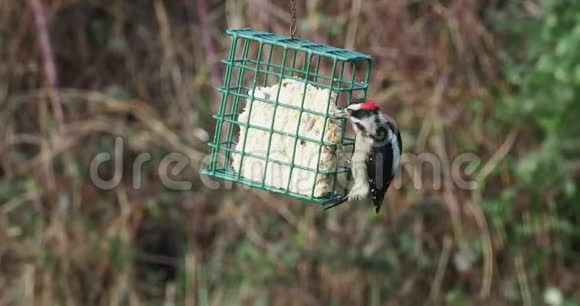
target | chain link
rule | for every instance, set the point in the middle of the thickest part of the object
(293, 19)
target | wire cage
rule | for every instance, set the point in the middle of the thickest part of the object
(282, 100)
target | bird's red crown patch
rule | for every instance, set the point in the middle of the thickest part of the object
(369, 105)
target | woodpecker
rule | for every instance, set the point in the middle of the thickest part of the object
(377, 152)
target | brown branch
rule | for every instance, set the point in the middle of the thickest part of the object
(202, 14)
(441, 268)
(50, 71)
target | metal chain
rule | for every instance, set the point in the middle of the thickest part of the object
(293, 19)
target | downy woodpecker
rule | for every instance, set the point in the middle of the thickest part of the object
(376, 155)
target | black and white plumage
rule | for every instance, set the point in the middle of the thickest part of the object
(377, 153)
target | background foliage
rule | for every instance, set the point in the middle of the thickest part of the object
(500, 79)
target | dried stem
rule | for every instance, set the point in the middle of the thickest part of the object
(204, 25)
(50, 71)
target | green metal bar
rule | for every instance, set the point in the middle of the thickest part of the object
(228, 176)
(274, 115)
(306, 66)
(268, 65)
(286, 106)
(236, 100)
(352, 81)
(343, 123)
(237, 64)
(317, 84)
(294, 64)
(251, 101)
(301, 45)
(335, 178)
(344, 141)
(257, 127)
(324, 126)
(317, 69)
(307, 60)
(223, 103)
(367, 76)
(341, 74)
(284, 163)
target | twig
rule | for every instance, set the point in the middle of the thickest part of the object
(439, 147)
(48, 59)
(481, 221)
(497, 157)
(170, 66)
(271, 9)
(441, 267)
(204, 25)
(353, 26)
(523, 280)
(282, 210)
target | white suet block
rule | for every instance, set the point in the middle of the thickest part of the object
(282, 146)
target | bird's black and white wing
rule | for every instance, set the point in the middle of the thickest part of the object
(383, 161)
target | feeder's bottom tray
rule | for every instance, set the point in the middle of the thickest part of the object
(230, 175)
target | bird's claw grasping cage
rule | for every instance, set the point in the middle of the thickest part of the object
(292, 91)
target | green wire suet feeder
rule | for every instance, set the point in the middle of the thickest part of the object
(280, 127)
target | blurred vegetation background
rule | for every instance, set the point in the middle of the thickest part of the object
(497, 78)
